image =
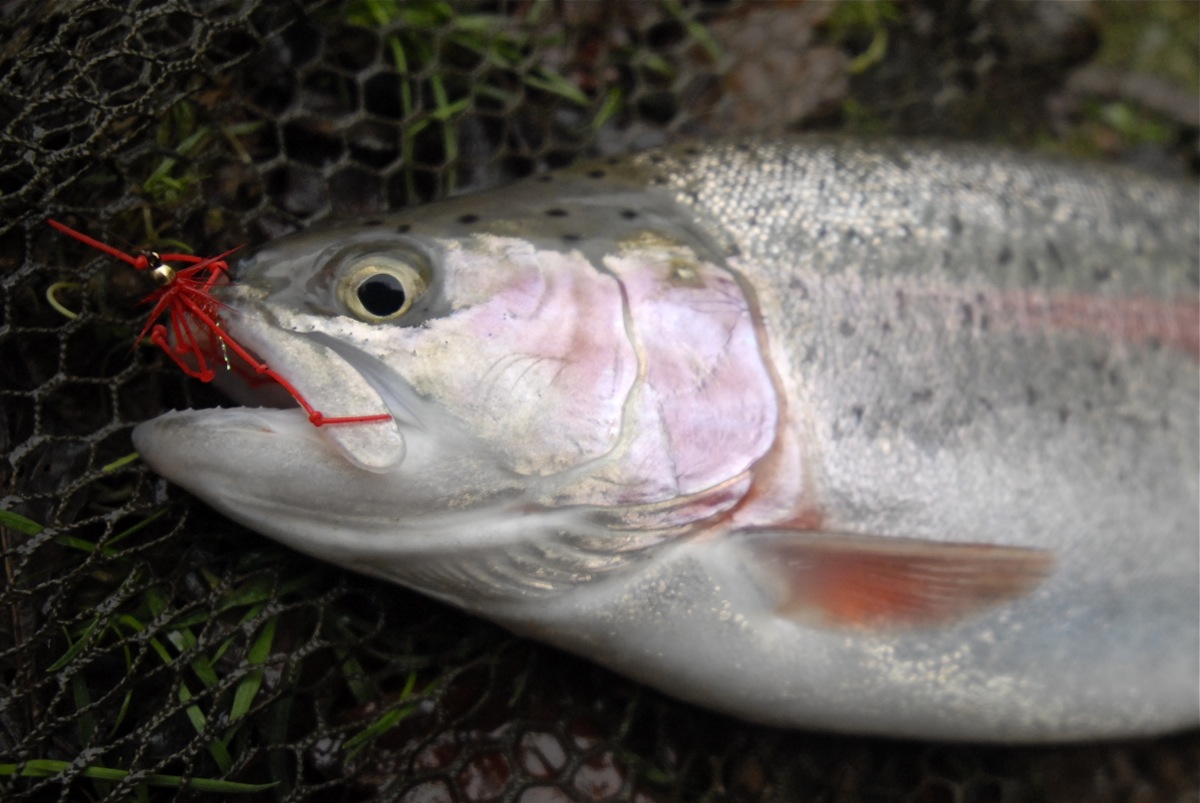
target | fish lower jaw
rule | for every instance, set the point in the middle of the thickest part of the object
(373, 446)
(221, 422)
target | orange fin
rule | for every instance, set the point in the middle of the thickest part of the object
(881, 582)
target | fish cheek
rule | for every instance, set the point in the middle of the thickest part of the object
(539, 366)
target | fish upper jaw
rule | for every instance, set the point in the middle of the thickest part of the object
(337, 381)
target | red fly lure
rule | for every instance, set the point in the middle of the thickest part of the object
(184, 295)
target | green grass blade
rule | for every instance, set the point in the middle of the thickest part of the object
(610, 106)
(76, 647)
(120, 462)
(15, 521)
(548, 80)
(45, 768)
(153, 517)
(388, 720)
(248, 688)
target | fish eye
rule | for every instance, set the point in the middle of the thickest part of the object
(381, 290)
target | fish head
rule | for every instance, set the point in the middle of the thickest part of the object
(581, 359)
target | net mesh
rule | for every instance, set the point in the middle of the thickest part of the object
(150, 649)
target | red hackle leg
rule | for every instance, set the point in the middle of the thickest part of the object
(140, 262)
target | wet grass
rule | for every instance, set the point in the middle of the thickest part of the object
(224, 638)
(150, 618)
(479, 57)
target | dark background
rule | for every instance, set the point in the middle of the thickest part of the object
(149, 647)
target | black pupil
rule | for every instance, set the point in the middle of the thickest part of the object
(382, 295)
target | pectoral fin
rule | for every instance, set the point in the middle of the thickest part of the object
(841, 580)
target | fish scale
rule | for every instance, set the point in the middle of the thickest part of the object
(882, 437)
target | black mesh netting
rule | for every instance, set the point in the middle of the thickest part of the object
(150, 649)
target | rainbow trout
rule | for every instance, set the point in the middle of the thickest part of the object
(883, 438)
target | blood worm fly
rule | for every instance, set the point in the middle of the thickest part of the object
(185, 296)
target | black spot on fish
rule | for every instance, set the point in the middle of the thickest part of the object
(556, 212)
(1005, 256)
(598, 173)
(1055, 257)
(968, 315)
(956, 225)
(923, 396)
(629, 214)
(857, 411)
(1102, 274)
(1032, 271)
(846, 328)
(1031, 395)
(572, 238)
(982, 301)
(801, 289)
(742, 147)
(403, 228)
(468, 219)
(659, 181)
(691, 150)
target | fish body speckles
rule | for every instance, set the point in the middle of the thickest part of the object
(873, 437)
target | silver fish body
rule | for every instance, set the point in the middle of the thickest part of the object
(882, 437)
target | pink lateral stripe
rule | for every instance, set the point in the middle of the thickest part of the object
(1132, 320)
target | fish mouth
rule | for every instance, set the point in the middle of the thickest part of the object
(339, 384)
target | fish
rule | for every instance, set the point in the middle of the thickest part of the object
(879, 437)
